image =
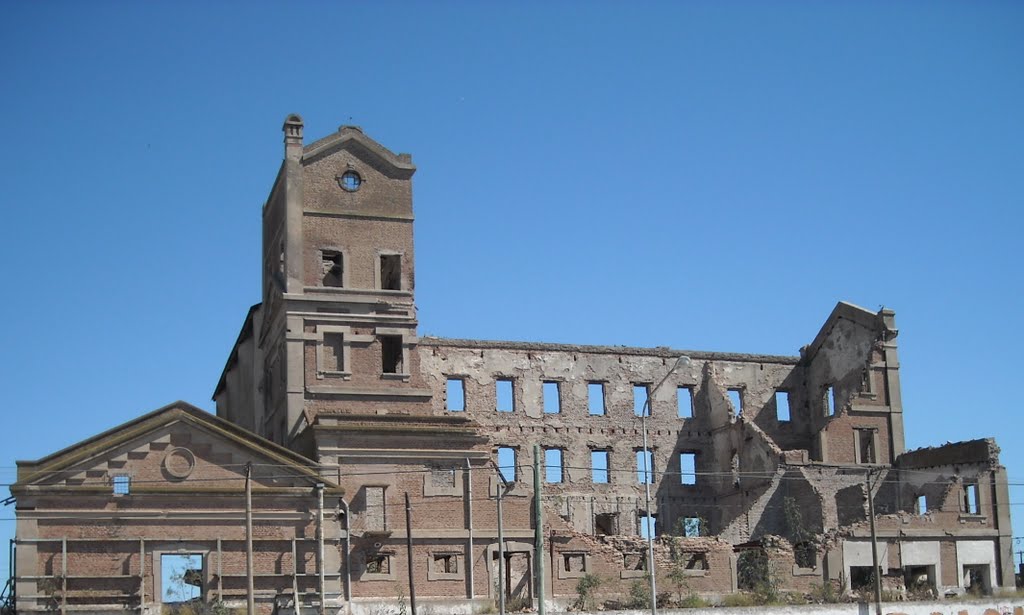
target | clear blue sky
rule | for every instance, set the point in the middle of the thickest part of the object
(708, 175)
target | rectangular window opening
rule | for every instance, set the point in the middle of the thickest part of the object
(391, 271)
(552, 398)
(692, 527)
(922, 504)
(866, 445)
(736, 399)
(684, 399)
(574, 562)
(181, 576)
(688, 468)
(782, 406)
(391, 354)
(595, 398)
(641, 405)
(695, 561)
(504, 399)
(333, 270)
(455, 400)
(334, 352)
(634, 561)
(507, 463)
(599, 466)
(830, 401)
(446, 563)
(648, 526)
(644, 466)
(122, 484)
(971, 506)
(606, 524)
(378, 563)
(553, 471)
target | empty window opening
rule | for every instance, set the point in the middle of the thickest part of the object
(122, 484)
(782, 406)
(753, 570)
(971, 506)
(695, 561)
(391, 271)
(692, 527)
(181, 576)
(919, 581)
(504, 400)
(552, 398)
(634, 561)
(644, 466)
(922, 504)
(641, 404)
(977, 579)
(446, 563)
(456, 395)
(378, 563)
(376, 516)
(830, 401)
(736, 399)
(334, 352)
(862, 577)
(507, 463)
(684, 400)
(688, 468)
(574, 562)
(606, 524)
(866, 445)
(333, 268)
(391, 354)
(805, 555)
(599, 466)
(595, 398)
(648, 526)
(553, 472)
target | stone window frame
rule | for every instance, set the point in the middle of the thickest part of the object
(390, 575)
(696, 572)
(346, 352)
(633, 573)
(345, 284)
(406, 372)
(455, 490)
(435, 575)
(378, 282)
(158, 549)
(741, 395)
(604, 398)
(858, 433)
(566, 574)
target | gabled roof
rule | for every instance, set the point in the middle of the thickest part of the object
(881, 321)
(353, 139)
(30, 472)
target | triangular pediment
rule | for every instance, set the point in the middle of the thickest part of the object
(176, 448)
(352, 139)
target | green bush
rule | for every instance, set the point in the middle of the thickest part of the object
(586, 587)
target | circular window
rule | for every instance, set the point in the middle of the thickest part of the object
(350, 180)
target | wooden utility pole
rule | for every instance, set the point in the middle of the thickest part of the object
(408, 549)
(874, 548)
(250, 592)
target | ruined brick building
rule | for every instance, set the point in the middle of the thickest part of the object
(340, 410)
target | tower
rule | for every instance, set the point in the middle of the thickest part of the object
(336, 330)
